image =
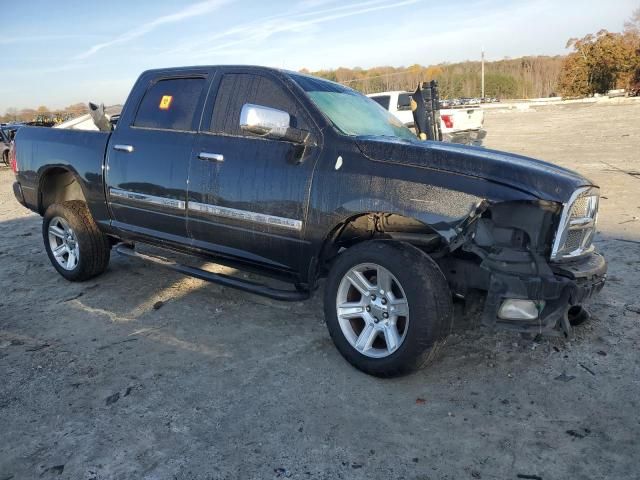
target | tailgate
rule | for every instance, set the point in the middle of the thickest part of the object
(467, 119)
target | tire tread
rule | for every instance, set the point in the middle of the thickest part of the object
(435, 309)
(94, 259)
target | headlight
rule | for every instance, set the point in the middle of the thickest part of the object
(577, 224)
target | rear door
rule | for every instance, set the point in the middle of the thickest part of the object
(248, 194)
(149, 152)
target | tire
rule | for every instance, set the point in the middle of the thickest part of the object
(415, 280)
(69, 227)
(5, 158)
(577, 315)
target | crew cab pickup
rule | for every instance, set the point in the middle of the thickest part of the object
(462, 124)
(299, 178)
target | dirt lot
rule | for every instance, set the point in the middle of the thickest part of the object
(100, 381)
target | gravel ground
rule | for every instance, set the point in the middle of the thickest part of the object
(143, 373)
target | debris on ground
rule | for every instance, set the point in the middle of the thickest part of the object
(587, 369)
(37, 348)
(579, 433)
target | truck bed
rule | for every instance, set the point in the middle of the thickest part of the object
(40, 149)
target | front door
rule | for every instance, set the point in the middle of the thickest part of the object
(148, 158)
(248, 194)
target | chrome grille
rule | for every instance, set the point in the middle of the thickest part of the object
(580, 208)
(574, 239)
(577, 225)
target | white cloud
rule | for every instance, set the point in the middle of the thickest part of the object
(262, 29)
(193, 10)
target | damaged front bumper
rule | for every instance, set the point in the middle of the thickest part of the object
(557, 288)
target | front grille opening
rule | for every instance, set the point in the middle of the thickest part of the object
(577, 225)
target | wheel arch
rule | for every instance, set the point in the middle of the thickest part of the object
(58, 184)
(370, 225)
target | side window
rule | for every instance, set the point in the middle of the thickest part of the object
(170, 104)
(404, 101)
(236, 89)
(383, 100)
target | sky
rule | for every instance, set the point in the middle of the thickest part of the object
(56, 53)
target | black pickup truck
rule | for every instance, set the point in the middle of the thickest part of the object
(300, 178)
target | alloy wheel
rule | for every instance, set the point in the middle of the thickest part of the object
(63, 243)
(372, 310)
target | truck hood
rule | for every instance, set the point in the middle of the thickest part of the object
(541, 179)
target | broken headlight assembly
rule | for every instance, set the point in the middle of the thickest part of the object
(577, 225)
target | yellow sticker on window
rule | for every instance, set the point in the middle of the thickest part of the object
(165, 102)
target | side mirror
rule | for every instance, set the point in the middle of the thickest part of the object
(264, 121)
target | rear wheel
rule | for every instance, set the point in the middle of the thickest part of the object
(388, 307)
(77, 249)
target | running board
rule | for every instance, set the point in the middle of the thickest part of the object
(219, 278)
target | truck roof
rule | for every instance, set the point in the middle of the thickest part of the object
(206, 67)
(251, 67)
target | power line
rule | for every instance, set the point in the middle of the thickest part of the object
(376, 76)
(482, 96)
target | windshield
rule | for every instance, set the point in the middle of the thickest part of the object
(351, 112)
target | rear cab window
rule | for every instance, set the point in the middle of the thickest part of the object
(170, 104)
(383, 100)
(404, 101)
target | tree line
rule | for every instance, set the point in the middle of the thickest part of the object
(43, 113)
(598, 63)
(526, 77)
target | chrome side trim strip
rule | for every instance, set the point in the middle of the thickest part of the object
(150, 199)
(246, 215)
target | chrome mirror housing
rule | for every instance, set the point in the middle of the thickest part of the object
(264, 121)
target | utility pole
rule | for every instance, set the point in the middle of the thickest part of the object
(482, 74)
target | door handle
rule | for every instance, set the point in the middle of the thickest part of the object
(212, 157)
(123, 148)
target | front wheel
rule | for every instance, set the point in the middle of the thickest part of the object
(76, 247)
(387, 307)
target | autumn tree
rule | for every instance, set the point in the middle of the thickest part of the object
(632, 34)
(602, 61)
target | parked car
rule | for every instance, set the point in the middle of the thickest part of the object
(458, 125)
(7, 133)
(300, 178)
